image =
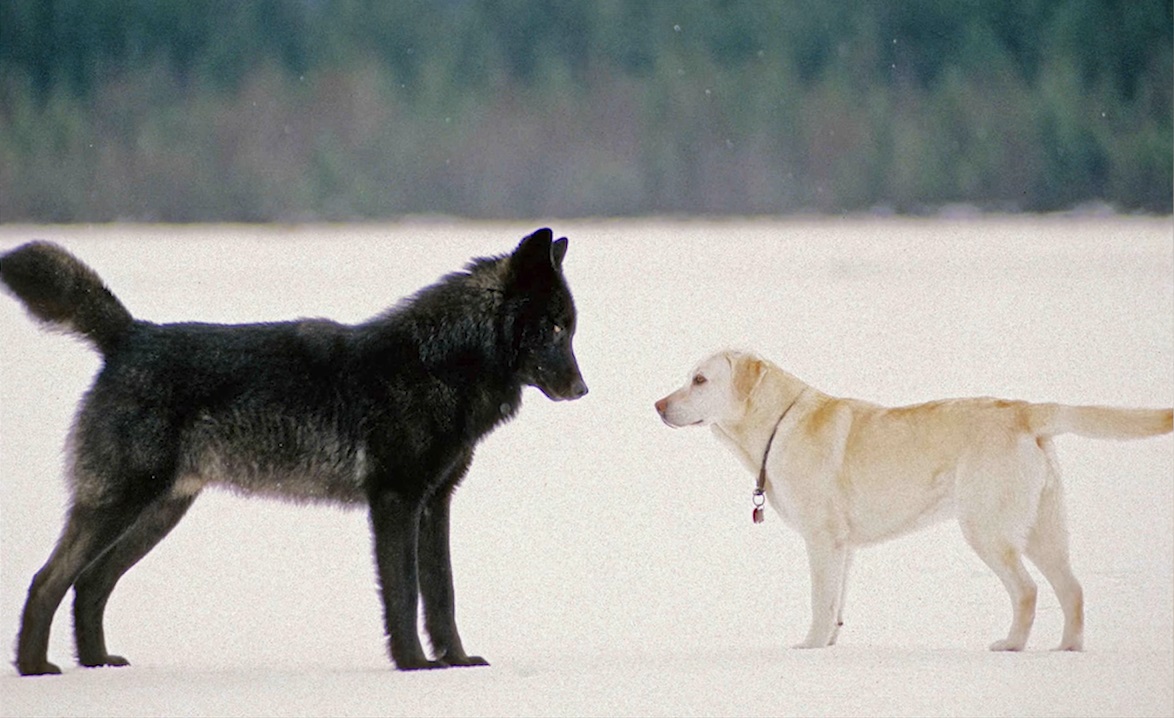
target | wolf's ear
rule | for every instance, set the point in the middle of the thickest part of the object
(558, 251)
(538, 252)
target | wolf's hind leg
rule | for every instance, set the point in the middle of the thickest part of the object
(88, 533)
(97, 581)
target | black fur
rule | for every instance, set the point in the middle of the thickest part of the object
(384, 414)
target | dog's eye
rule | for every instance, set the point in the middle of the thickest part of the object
(699, 380)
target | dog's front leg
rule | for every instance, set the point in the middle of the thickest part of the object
(843, 597)
(436, 584)
(829, 563)
(395, 524)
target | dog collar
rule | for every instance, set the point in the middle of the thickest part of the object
(760, 490)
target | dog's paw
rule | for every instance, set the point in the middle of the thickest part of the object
(819, 637)
(1007, 645)
(811, 644)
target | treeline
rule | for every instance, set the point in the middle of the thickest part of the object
(194, 110)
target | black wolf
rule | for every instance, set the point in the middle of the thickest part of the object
(384, 414)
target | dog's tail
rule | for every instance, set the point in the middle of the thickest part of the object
(63, 293)
(1099, 422)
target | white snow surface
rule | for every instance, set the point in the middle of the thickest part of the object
(605, 564)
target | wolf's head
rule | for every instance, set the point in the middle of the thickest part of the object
(542, 315)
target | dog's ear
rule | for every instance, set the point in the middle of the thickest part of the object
(748, 371)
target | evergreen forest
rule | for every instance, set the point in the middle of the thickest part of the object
(332, 110)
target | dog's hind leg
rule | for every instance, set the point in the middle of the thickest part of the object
(1047, 547)
(94, 585)
(436, 578)
(1005, 560)
(88, 532)
(829, 563)
(998, 494)
(395, 522)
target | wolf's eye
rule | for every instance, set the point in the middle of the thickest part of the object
(699, 380)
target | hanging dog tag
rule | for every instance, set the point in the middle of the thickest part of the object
(759, 500)
(757, 514)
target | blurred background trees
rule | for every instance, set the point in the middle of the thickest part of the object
(287, 110)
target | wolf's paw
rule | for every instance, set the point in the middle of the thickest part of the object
(38, 668)
(107, 660)
(464, 661)
(422, 664)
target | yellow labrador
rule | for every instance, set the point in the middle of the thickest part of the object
(845, 473)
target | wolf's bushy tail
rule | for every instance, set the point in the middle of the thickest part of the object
(62, 292)
(1100, 422)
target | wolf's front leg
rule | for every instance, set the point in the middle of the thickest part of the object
(436, 587)
(395, 524)
(829, 562)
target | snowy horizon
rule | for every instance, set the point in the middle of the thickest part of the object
(605, 564)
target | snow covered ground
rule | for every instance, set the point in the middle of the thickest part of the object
(605, 564)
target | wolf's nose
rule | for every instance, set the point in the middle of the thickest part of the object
(578, 388)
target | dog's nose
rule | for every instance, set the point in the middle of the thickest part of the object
(661, 406)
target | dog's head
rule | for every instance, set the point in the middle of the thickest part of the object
(542, 314)
(718, 391)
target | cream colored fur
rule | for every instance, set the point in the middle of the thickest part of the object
(846, 473)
